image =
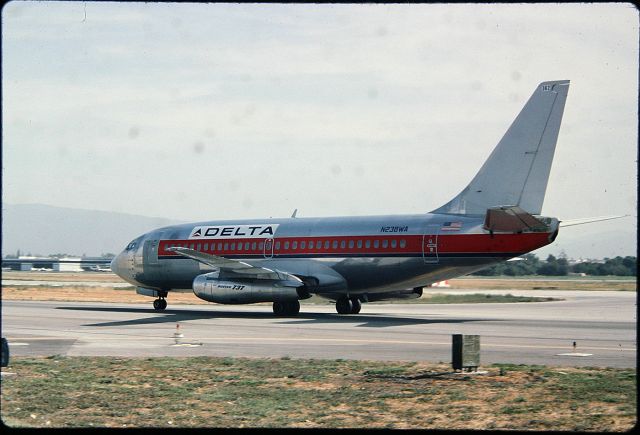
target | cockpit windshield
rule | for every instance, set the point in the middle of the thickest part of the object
(132, 245)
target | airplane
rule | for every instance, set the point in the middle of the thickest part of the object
(356, 259)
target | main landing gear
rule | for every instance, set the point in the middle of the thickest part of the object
(287, 308)
(348, 306)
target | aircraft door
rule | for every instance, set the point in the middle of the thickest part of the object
(430, 244)
(151, 252)
(268, 248)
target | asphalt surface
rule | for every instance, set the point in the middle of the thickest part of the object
(602, 324)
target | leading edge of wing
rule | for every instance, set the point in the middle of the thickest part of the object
(230, 265)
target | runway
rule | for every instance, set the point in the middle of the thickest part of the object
(602, 323)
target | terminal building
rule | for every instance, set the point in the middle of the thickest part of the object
(65, 264)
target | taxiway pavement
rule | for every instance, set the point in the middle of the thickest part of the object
(601, 323)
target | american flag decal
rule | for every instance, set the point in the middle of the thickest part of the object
(451, 226)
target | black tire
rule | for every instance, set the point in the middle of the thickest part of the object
(344, 306)
(159, 304)
(355, 306)
(289, 308)
(279, 308)
(293, 308)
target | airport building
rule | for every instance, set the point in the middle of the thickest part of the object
(65, 264)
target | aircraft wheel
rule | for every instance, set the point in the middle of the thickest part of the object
(293, 308)
(355, 306)
(278, 308)
(159, 304)
(344, 306)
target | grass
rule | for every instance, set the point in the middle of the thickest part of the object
(475, 298)
(442, 298)
(242, 392)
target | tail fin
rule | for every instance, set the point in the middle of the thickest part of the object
(517, 171)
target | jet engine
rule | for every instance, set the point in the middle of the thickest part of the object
(211, 288)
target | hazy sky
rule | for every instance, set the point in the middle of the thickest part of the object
(206, 111)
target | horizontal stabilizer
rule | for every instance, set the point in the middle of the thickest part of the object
(572, 222)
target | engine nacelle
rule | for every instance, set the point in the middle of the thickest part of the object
(246, 291)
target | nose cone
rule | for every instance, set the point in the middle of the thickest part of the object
(116, 266)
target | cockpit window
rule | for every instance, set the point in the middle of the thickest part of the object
(133, 244)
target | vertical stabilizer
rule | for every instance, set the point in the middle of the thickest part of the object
(517, 171)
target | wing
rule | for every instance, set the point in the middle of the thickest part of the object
(234, 266)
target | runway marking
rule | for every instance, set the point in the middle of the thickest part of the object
(573, 354)
(362, 341)
(335, 340)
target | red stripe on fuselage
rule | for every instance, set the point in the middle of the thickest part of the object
(405, 244)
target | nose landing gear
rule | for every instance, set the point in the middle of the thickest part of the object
(159, 304)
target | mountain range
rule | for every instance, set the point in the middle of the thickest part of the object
(39, 229)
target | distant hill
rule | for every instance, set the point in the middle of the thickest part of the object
(43, 230)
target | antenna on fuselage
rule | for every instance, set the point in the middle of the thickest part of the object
(294, 213)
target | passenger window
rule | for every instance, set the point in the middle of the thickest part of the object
(220, 247)
(350, 244)
(261, 246)
(326, 244)
(303, 245)
(335, 244)
(359, 244)
(385, 243)
(342, 244)
(286, 246)
(193, 245)
(253, 246)
(394, 243)
(376, 244)
(367, 244)
(233, 246)
(246, 246)
(206, 246)
(403, 243)
(295, 245)
(278, 246)
(226, 246)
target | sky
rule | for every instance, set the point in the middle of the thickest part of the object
(220, 111)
